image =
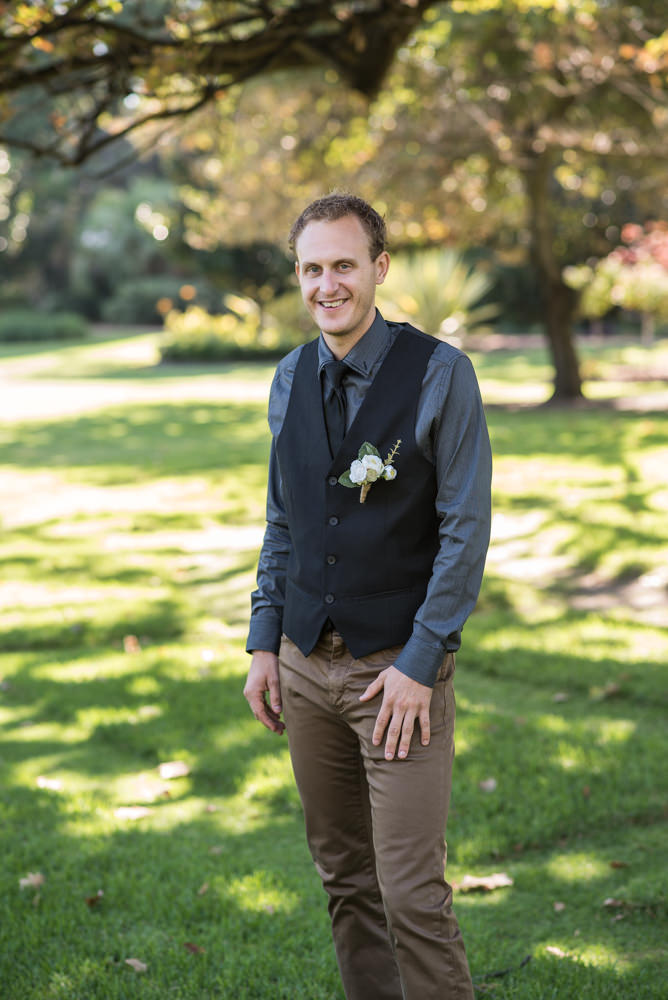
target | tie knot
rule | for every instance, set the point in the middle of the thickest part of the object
(335, 371)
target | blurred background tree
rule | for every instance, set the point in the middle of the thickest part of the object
(525, 135)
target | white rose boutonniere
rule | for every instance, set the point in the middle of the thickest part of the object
(368, 467)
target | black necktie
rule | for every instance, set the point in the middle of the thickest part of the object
(334, 403)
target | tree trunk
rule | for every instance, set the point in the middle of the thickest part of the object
(647, 328)
(560, 300)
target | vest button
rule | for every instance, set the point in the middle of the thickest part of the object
(333, 520)
(329, 598)
(332, 480)
(331, 560)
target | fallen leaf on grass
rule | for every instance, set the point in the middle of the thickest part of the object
(135, 964)
(196, 949)
(33, 880)
(216, 849)
(173, 769)
(619, 864)
(612, 902)
(488, 785)
(53, 784)
(131, 812)
(558, 907)
(204, 888)
(211, 808)
(560, 696)
(94, 900)
(586, 792)
(611, 690)
(553, 950)
(131, 644)
(484, 883)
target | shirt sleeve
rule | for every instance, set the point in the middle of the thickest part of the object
(462, 457)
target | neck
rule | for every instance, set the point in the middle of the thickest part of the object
(342, 345)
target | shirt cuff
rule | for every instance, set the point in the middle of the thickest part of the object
(420, 660)
(265, 630)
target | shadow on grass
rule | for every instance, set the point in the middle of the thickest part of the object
(203, 906)
(594, 433)
(144, 441)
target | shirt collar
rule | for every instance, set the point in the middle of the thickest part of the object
(367, 353)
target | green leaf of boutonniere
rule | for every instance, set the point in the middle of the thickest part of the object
(367, 449)
(345, 480)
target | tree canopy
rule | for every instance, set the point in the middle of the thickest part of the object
(75, 74)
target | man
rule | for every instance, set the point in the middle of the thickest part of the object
(360, 605)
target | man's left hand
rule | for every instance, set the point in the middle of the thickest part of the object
(404, 701)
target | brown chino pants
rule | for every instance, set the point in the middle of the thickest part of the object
(375, 827)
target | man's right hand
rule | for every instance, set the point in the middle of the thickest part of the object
(263, 678)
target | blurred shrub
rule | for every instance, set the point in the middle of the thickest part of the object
(291, 318)
(147, 300)
(28, 324)
(438, 291)
(244, 332)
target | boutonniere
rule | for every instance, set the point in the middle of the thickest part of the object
(368, 467)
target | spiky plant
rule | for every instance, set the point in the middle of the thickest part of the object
(437, 291)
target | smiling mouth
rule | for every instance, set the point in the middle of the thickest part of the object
(333, 304)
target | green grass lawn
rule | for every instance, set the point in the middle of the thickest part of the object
(132, 501)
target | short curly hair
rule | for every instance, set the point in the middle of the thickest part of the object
(335, 206)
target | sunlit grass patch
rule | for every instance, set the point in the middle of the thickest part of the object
(130, 535)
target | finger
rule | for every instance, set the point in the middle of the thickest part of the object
(275, 694)
(406, 735)
(393, 733)
(425, 729)
(382, 720)
(374, 687)
(266, 715)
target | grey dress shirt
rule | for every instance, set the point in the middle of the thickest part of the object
(451, 432)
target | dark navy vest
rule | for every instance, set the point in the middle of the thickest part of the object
(364, 566)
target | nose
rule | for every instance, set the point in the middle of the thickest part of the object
(328, 281)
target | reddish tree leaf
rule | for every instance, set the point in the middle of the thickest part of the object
(94, 900)
(619, 864)
(196, 949)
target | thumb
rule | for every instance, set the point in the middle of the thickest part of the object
(374, 687)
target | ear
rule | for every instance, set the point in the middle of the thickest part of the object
(297, 269)
(382, 263)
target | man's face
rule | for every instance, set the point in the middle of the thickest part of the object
(338, 279)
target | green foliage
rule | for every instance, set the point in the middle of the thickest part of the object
(633, 277)
(146, 300)
(244, 331)
(438, 292)
(27, 324)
